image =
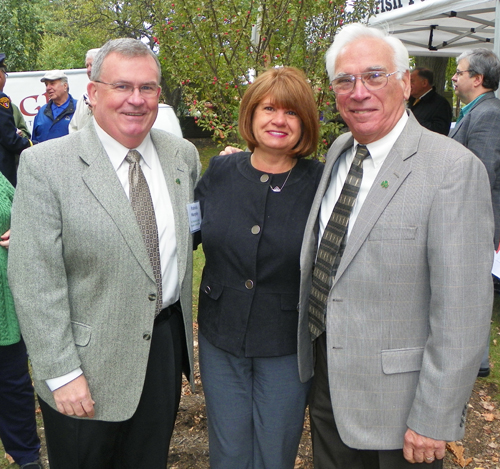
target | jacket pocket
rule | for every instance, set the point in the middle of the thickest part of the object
(402, 360)
(81, 333)
(212, 290)
(391, 233)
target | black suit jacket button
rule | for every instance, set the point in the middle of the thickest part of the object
(207, 290)
(255, 229)
(152, 297)
(146, 336)
(249, 284)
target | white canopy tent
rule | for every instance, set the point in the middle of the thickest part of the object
(441, 27)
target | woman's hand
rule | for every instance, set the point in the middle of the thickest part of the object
(5, 239)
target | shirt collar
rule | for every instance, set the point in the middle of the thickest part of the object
(425, 94)
(380, 148)
(117, 152)
(466, 109)
(66, 103)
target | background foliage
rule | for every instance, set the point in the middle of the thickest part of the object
(20, 32)
(214, 48)
(209, 49)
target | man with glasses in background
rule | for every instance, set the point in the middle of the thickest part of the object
(396, 290)
(477, 128)
(101, 271)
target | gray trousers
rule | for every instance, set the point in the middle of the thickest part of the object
(255, 409)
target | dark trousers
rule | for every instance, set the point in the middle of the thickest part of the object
(329, 451)
(143, 440)
(17, 405)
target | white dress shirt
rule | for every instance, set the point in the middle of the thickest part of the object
(371, 166)
(151, 167)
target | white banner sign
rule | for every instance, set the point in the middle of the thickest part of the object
(394, 12)
(27, 91)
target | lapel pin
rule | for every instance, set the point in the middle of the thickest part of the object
(177, 181)
(384, 184)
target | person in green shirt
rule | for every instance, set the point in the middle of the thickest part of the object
(17, 400)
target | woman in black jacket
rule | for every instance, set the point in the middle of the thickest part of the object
(255, 206)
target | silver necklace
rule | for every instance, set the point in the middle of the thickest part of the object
(279, 189)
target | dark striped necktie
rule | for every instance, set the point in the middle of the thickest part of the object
(332, 245)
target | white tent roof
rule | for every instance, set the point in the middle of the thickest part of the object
(441, 27)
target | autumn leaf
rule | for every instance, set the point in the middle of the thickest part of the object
(458, 452)
(487, 406)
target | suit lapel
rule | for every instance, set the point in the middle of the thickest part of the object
(100, 177)
(394, 171)
(310, 242)
(177, 177)
(487, 96)
(456, 128)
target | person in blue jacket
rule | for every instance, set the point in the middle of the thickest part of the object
(53, 118)
(11, 143)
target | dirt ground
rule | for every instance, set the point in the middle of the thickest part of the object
(480, 449)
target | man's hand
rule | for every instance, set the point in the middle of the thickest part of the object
(74, 398)
(418, 448)
(229, 151)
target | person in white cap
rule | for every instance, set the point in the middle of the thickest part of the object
(53, 118)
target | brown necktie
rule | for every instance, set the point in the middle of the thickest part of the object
(140, 198)
(332, 245)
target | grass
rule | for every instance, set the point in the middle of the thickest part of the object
(206, 149)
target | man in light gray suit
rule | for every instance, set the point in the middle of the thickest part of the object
(478, 124)
(104, 303)
(407, 311)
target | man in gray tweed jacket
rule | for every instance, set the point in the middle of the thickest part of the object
(107, 366)
(408, 311)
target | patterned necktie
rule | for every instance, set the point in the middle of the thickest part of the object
(332, 245)
(140, 198)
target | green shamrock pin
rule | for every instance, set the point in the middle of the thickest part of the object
(177, 181)
(384, 184)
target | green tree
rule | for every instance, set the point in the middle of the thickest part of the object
(74, 26)
(213, 48)
(70, 29)
(20, 32)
